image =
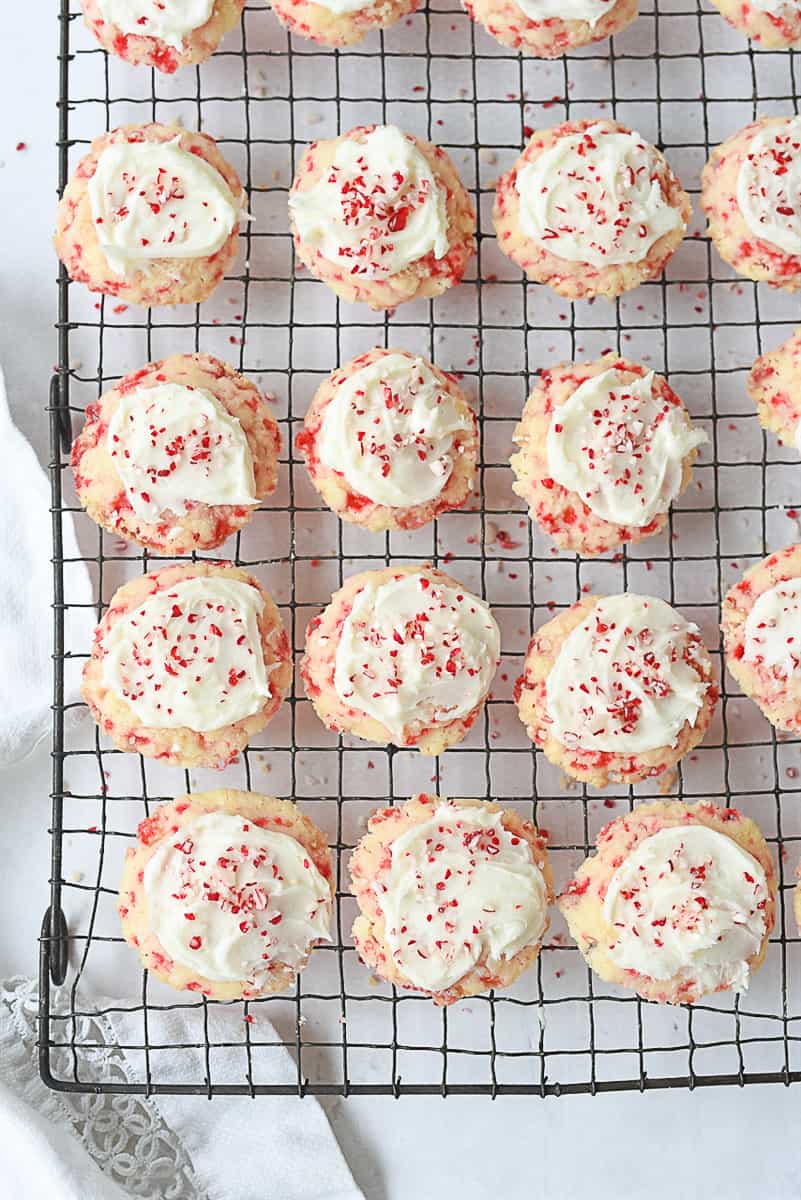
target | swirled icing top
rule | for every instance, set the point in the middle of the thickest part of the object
(169, 20)
(596, 196)
(622, 682)
(389, 429)
(414, 652)
(190, 655)
(229, 899)
(621, 446)
(773, 629)
(769, 185)
(688, 902)
(377, 209)
(590, 11)
(460, 889)
(156, 200)
(174, 446)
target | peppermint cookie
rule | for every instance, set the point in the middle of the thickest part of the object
(402, 655)
(591, 209)
(177, 455)
(338, 23)
(390, 441)
(151, 216)
(188, 664)
(616, 689)
(381, 217)
(226, 893)
(772, 24)
(762, 636)
(547, 28)
(166, 34)
(453, 896)
(750, 194)
(605, 449)
(774, 384)
(677, 902)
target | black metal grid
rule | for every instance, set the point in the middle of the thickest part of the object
(674, 76)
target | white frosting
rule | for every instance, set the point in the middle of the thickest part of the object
(169, 20)
(785, 10)
(769, 185)
(413, 653)
(190, 656)
(174, 446)
(377, 209)
(621, 447)
(590, 11)
(688, 902)
(620, 683)
(154, 200)
(773, 629)
(389, 430)
(340, 7)
(595, 197)
(228, 899)
(460, 889)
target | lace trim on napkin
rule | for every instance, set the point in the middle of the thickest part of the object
(125, 1135)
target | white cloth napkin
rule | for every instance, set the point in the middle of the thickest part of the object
(26, 590)
(181, 1147)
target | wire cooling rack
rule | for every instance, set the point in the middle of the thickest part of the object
(685, 80)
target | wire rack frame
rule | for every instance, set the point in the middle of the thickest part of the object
(747, 1040)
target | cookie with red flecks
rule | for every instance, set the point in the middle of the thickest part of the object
(177, 455)
(546, 29)
(188, 664)
(381, 217)
(762, 636)
(749, 193)
(616, 689)
(402, 655)
(591, 209)
(772, 24)
(774, 384)
(605, 449)
(151, 216)
(226, 893)
(338, 23)
(390, 441)
(453, 896)
(677, 902)
(165, 34)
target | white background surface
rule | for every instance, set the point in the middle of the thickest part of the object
(716, 1142)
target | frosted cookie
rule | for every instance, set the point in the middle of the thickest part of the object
(338, 23)
(677, 902)
(177, 455)
(166, 34)
(453, 896)
(772, 24)
(381, 217)
(762, 636)
(605, 449)
(188, 664)
(226, 893)
(591, 209)
(774, 384)
(616, 689)
(151, 216)
(749, 193)
(547, 28)
(402, 655)
(390, 441)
